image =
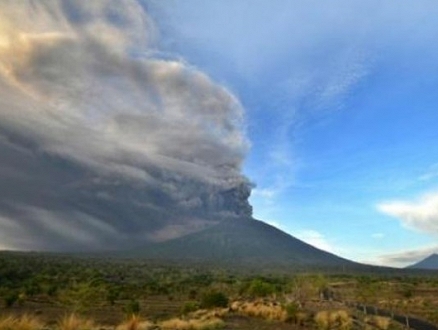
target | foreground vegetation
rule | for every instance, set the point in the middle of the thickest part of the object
(71, 293)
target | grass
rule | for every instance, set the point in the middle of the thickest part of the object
(203, 321)
(25, 322)
(380, 322)
(322, 320)
(340, 319)
(265, 310)
(135, 323)
(75, 322)
(192, 324)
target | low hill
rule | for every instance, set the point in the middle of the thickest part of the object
(431, 262)
(243, 242)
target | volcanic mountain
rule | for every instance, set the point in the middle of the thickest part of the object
(240, 242)
(430, 262)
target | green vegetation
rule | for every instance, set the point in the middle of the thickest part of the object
(64, 292)
(214, 299)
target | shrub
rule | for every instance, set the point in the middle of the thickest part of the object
(52, 290)
(10, 299)
(334, 319)
(343, 320)
(291, 309)
(189, 307)
(380, 322)
(132, 308)
(258, 288)
(214, 299)
(293, 312)
(322, 320)
(267, 311)
(135, 323)
(112, 295)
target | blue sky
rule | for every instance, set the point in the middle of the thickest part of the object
(341, 109)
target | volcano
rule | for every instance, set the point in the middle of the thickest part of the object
(240, 242)
(430, 262)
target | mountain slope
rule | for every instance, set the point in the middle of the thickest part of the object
(243, 241)
(431, 262)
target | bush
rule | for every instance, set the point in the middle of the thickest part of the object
(214, 299)
(265, 310)
(333, 320)
(189, 307)
(132, 308)
(258, 288)
(10, 299)
(292, 310)
(112, 295)
(135, 323)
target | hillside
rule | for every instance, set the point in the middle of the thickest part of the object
(431, 262)
(244, 241)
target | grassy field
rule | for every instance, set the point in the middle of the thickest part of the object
(40, 291)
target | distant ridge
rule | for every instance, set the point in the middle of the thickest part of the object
(431, 262)
(243, 242)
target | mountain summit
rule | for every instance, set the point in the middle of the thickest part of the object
(431, 262)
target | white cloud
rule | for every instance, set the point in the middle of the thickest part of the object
(309, 236)
(430, 174)
(276, 224)
(266, 193)
(316, 239)
(421, 214)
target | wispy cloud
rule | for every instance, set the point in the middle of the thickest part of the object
(430, 174)
(316, 239)
(420, 214)
(310, 236)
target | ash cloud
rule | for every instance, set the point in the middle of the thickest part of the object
(102, 142)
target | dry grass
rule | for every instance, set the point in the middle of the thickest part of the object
(192, 324)
(380, 322)
(74, 322)
(209, 313)
(135, 323)
(344, 320)
(333, 319)
(25, 322)
(265, 310)
(322, 320)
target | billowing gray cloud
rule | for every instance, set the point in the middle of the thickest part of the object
(102, 142)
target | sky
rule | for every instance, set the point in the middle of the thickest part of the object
(110, 110)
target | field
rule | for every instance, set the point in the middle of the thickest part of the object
(42, 291)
